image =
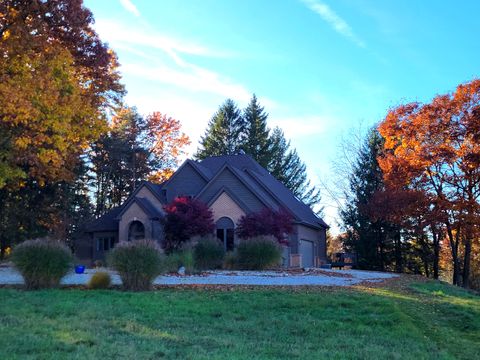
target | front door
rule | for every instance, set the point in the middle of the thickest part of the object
(226, 232)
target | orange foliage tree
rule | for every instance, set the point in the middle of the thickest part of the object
(166, 142)
(434, 148)
(56, 78)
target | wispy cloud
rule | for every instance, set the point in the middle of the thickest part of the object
(130, 7)
(169, 60)
(139, 39)
(334, 20)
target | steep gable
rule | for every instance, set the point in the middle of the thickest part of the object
(188, 180)
(226, 177)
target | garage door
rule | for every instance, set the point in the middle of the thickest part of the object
(306, 250)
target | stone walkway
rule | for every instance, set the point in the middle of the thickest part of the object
(9, 276)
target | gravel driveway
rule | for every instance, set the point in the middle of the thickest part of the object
(9, 276)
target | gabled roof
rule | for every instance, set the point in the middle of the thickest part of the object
(106, 222)
(263, 182)
(149, 209)
(271, 192)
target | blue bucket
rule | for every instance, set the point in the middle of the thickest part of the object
(79, 269)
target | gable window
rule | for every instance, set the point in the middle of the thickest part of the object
(226, 232)
(136, 231)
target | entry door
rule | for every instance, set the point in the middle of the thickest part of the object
(306, 250)
(226, 233)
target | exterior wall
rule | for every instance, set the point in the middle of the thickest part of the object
(229, 180)
(134, 212)
(144, 192)
(186, 182)
(317, 236)
(226, 206)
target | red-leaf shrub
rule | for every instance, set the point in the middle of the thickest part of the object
(266, 222)
(185, 218)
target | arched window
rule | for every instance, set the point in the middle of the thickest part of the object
(136, 231)
(225, 232)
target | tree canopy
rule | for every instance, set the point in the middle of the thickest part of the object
(231, 131)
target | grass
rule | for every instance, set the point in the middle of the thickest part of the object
(421, 320)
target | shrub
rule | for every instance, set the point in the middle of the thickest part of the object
(178, 259)
(138, 263)
(230, 261)
(258, 253)
(42, 263)
(184, 219)
(266, 222)
(100, 280)
(208, 253)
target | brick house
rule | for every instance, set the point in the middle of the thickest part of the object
(231, 186)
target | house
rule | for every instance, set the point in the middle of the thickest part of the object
(231, 186)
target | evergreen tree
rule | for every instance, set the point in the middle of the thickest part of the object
(372, 240)
(230, 131)
(224, 132)
(256, 140)
(286, 166)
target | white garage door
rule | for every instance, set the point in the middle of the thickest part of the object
(306, 250)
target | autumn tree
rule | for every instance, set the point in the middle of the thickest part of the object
(134, 149)
(185, 218)
(266, 222)
(56, 78)
(434, 148)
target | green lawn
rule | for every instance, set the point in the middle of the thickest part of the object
(426, 321)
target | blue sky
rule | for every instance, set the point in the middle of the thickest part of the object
(320, 68)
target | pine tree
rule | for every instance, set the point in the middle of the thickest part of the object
(371, 239)
(230, 131)
(285, 164)
(256, 140)
(224, 132)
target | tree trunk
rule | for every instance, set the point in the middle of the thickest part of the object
(436, 252)
(398, 253)
(466, 263)
(454, 249)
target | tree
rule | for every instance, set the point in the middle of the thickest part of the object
(285, 165)
(165, 142)
(434, 148)
(56, 78)
(230, 132)
(266, 222)
(371, 238)
(223, 132)
(185, 218)
(256, 140)
(136, 148)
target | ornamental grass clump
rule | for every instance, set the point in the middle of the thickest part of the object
(208, 253)
(138, 263)
(42, 263)
(100, 280)
(258, 253)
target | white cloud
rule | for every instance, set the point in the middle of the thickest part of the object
(161, 58)
(335, 21)
(130, 7)
(194, 79)
(137, 37)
